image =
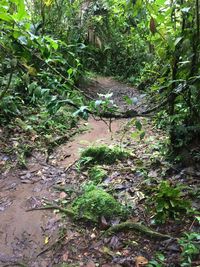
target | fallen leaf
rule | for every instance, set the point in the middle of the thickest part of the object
(65, 256)
(140, 261)
(63, 195)
(46, 240)
(39, 173)
(93, 236)
(104, 223)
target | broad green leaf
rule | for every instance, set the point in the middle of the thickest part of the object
(6, 17)
(21, 11)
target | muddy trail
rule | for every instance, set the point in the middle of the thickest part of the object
(23, 233)
(31, 237)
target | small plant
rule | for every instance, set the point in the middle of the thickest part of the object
(102, 155)
(95, 202)
(190, 248)
(22, 152)
(97, 174)
(168, 202)
(104, 104)
(158, 261)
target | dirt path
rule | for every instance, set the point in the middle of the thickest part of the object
(24, 234)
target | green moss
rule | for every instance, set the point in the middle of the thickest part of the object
(95, 203)
(97, 174)
(102, 155)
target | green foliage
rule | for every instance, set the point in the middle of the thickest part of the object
(115, 46)
(168, 202)
(38, 72)
(158, 261)
(104, 104)
(153, 44)
(97, 174)
(190, 248)
(102, 154)
(22, 152)
(95, 202)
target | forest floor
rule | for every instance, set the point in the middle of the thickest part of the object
(45, 238)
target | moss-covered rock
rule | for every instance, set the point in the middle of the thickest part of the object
(95, 202)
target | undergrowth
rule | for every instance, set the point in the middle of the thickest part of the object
(102, 154)
(168, 202)
(97, 174)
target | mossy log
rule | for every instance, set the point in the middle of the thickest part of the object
(131, 226)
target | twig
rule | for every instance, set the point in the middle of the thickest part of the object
(52, 245)
(192, 224)
(70, 165)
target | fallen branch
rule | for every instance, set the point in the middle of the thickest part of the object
(131, 226)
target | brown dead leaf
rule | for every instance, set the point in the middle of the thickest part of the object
(93, 236)
(65, 256)
(140, 261)
(104, 224)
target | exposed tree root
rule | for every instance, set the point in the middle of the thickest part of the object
(131, 226)
(66, 211)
